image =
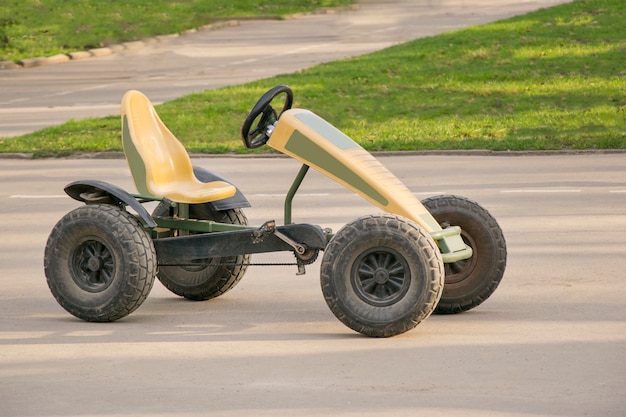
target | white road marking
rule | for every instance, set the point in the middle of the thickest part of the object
(540, 191)
(33, 196)
(389, 29)
(89, 88)
(282, 195)
(430, 193)
(299, 195)
(17, 100)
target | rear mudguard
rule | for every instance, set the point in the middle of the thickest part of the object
(100, 192)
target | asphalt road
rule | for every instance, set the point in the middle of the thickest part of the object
(551, 341)
(35, 98)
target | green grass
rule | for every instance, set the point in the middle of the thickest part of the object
(32, 28)
(553, 79)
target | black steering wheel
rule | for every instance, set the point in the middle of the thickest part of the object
(266, 116)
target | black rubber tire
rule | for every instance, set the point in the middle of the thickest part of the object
(470, 282)
(99, 263)
(206, 278)
(381, 275)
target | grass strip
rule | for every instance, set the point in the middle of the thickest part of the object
(551, 79)
(33, 28)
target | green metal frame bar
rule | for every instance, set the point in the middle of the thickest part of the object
(452, 246)
(194, 225)
(452, 257)
(292, 192)
(184, 224)
(182, 211)
(142, 198)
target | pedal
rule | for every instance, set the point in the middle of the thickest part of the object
(266, 229)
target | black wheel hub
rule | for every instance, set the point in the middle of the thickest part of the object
(380, 276)
(93, 266)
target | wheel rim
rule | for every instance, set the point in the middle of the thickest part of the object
(93, 266)
(381, 276)
(458, 271)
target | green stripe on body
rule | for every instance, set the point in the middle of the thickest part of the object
(328, 131)
(135, 162)
(299, 144)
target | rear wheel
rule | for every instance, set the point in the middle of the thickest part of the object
(470, 282)
(381, 275)
(99, 263)
(204, 279)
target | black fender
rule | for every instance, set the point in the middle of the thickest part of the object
(236, 201)
(100, 192)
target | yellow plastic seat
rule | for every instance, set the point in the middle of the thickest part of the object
(158, 161)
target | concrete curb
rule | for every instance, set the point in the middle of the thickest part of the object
(435, 152)
(104, 51)
(109, 50)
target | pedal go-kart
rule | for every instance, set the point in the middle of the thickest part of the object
(381, 274)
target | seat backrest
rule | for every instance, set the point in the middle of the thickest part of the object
(155, 156)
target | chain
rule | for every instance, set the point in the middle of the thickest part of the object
(235, 264)
(312, 257)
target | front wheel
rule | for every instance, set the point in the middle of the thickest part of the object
(99, 263)
(471, 281)
(381, 275)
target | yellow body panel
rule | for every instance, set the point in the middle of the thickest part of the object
(318, 144)
(313, 141)
(158, 161)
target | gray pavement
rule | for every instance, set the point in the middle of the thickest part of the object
(551, 341)
(33, 98)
